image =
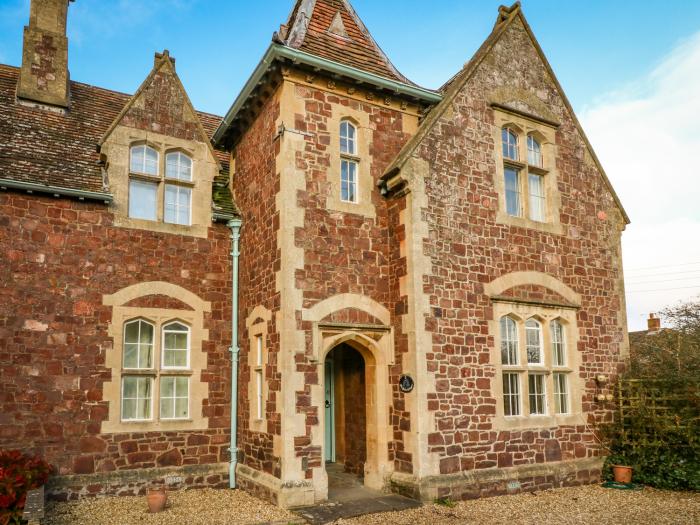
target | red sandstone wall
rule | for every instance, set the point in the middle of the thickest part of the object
(59, 257)
(471, 249)
(255, 185)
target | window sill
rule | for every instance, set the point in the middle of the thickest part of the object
(552, 227)
(175, 372)
(145, 176)
(139, 372)
(537, 170)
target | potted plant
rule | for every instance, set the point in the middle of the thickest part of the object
(622, 474)
(156, 498)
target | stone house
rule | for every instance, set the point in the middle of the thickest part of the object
(420, 287)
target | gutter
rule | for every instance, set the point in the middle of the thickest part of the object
(277, 51)
(235, 225)
(57, 191)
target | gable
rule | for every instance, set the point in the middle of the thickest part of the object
(510, 71)
(331, 29)
(161, 105)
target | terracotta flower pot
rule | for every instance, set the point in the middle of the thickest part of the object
(156, 499)
(622, 474)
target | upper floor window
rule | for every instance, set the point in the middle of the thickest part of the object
(534, 152)
(174, 191)
(510, 144)
(178, 166)
(144, 159)
(349, 163)
(522, 179)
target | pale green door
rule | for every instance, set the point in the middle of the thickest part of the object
(330, 412)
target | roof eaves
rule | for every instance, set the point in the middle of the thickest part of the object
(58, 191)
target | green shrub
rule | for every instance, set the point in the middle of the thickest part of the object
(19, 473)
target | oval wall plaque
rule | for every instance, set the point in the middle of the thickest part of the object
(406, 383)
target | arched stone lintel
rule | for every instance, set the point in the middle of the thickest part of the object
(137, 290)
(347, 300)
(510, 280)
(259, 313)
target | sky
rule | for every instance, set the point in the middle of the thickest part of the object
(630, 69)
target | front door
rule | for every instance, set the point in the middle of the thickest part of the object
(330, 412)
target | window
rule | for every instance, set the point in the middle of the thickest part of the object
(512, 191)
(142, 199)
(145, 192)
(177, 204)
(176, 346)
(537, 394)
(558, 348)
(533, 342)
(511, 394)
(141, 369)
(536, 186)
(561, 393)
(138, 345)
(348, 162)
(178, 166)
(535, 382)
(136, 398)
(259, 376)
(534, 152)
(509, 341)
(510, 144)
(523, 184)
(174, 397)
(144, 159)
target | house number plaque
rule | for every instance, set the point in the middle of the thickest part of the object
(406, 383)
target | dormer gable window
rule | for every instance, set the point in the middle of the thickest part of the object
(534, 152)
(178, 166)
(144, 160)
(510, 144)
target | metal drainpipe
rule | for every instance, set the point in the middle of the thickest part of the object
(235, 225)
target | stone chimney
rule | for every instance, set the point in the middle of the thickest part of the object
(44, 75)
(653, 323)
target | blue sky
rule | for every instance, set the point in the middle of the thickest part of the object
(594, 46)
(631, 70)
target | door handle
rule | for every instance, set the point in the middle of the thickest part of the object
(328, 404)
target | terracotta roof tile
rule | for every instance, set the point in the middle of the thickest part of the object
(60, 150)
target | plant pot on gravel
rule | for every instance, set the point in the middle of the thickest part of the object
(622, 474)
(156, 498)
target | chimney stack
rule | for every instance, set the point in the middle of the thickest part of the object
(653, 323)
(44, 75)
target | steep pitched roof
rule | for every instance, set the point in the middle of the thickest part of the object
(331, 29)
(58, 151)
(506, 16)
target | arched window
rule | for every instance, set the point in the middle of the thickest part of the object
(138, 345)
(176, 346)
(144, 159)
(348, 162)
(137, 397)
(178, 166)
(533, 342)
(510, 144)
(558, 344)
(509, 341)
(534, 152)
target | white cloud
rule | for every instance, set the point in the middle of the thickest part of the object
(647, 136)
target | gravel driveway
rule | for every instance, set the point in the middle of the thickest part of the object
(580, 505)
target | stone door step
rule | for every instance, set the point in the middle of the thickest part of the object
(331, 511)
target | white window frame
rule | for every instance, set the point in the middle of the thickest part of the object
(537, 204)
(510, 143)
(259, 378)
(137, 398)
(349, 162)
(351, 142)
(512, 399)
(543, 395)
(561, 393)
(143, 170)
(513, 194)
(177, 205)
(174, 398)
(139, 344)
(188, 350)
(508, 340)
(540, 346)
(179, 155)
(558, 338)
(141, 182)
(534, 152)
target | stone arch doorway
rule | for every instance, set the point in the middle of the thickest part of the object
(345, 432)
(355, 423)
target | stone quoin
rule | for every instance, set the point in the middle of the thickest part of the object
(429, 289)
